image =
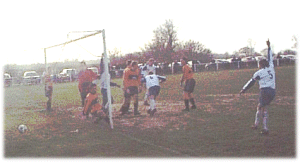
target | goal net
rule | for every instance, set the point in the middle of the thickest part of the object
(88, 46)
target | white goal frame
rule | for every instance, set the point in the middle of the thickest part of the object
(106, 68)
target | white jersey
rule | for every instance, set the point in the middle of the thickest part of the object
(103, 80)
(153, 80)
(147, 68)
(265, 76)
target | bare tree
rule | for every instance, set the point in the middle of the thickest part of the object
(192, 49)
(245, 50)
(163, 43)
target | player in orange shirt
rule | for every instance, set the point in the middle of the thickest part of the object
(85, 79)
(131, 82)
(188, 78)
(48, 88)
(92, 105)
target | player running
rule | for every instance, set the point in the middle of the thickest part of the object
(189, 84)
(153, 88)
(266, 80)
(149, 67)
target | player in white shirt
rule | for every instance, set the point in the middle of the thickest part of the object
(149, 67)
(266, 79)
(103, 87)
(153, 87)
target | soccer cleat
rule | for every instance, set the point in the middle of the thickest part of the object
(264, 132)
(146, 103)
(152, 112)
(254, 127)
(186, 110)
(193, 107)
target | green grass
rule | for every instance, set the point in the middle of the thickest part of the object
(219, 127)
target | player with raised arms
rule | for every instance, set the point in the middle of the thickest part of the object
(266, 80)
(153, 88)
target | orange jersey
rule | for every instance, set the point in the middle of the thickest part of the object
(86, 76)
(91, 103)
(131, 78)
(187, 72)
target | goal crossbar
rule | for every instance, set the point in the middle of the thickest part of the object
(73, 40)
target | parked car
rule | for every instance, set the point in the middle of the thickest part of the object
(67, 75)
(31, 77)
(290, 57)
(7, 80)
(258, 58)
(222, 61)
(248, 59)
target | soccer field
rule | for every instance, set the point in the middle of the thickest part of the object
(219, 127)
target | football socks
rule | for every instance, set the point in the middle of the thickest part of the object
(265, 119)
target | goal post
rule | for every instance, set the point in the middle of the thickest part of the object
(106, 73)
(106, 67)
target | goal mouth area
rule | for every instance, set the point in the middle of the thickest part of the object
(106, 67)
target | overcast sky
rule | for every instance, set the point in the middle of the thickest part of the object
(222, 26)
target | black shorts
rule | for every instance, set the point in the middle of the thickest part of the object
(266, 95)
(189, 85)
(154, 91)
(132, 91)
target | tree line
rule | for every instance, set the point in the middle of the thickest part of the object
(164, 48)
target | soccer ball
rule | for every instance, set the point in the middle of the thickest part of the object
(22, 128)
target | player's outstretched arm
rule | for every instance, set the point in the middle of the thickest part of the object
(162, 78)
(248, 85)
(270, 55)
